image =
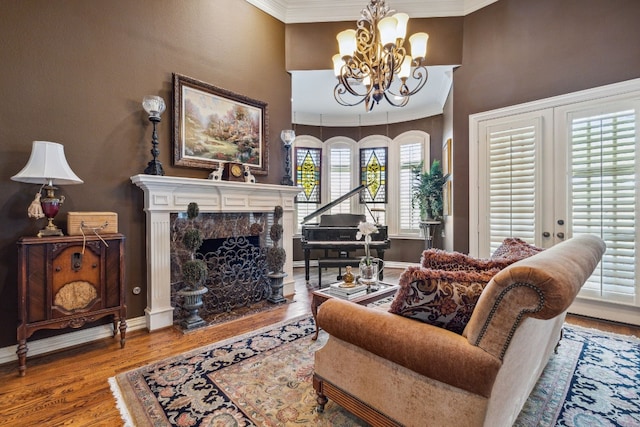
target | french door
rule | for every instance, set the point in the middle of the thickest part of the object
(550, 173)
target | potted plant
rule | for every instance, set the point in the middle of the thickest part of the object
(276, 257)
(194, 272)
(428, 191)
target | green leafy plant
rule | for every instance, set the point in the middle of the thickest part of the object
(428, 191)
(194, 271)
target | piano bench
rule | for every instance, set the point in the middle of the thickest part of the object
(336, 262)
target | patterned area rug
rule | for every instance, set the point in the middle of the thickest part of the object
(264, 379)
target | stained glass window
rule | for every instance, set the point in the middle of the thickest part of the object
(308, 174)
(373, 173)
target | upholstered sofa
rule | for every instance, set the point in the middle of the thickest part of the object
(394, 370)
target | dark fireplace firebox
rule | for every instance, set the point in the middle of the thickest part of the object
(234, 248)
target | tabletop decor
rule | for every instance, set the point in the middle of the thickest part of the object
(214, 125)
(48, 167)
(154, 106)
(369, 267)
(194, 272)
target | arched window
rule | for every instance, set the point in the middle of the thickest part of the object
(341, 164)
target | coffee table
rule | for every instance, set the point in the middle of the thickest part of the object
(318, 297)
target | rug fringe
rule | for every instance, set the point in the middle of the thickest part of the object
(120, 403)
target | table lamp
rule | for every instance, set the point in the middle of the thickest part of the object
(47, 166)
(154, 106)
(287, 136)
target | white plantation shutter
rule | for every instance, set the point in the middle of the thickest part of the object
(512, 183)
(340, 172)
(603, 198)
(410, 156)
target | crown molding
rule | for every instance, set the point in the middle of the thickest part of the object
(300, 11)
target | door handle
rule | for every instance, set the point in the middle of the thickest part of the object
(560, 235)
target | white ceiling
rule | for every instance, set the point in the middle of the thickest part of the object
(313, 102)
(312, 91)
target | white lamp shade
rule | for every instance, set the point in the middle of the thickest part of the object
(401, 28)
(419, 45)
(346, 42)
(387, 28)
(405, 68)
(47, 165)
(337, 64)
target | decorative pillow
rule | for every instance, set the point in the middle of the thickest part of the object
(514, 249)
(438, 259)
(441, 298)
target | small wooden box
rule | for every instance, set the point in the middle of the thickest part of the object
(79, 223)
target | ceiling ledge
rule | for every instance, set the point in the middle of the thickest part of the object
(301, 11)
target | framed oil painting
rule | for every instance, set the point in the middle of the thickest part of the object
(213, 125)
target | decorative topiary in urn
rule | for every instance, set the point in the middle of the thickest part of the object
(276, 257)
(194, 272)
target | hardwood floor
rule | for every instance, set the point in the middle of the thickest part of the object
(70, 388)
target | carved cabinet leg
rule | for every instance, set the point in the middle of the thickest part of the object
(22, 357)
(123, 332)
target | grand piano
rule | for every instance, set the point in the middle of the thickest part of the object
(336, 234)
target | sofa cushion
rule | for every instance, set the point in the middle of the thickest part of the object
(437, 259)
(441, 298)
(513, 248)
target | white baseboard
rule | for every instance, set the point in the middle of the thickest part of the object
(47, 345)
(606, 311)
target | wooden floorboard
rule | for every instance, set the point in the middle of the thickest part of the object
(70, 388)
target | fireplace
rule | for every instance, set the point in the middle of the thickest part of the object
(235, 251)
(165, 195)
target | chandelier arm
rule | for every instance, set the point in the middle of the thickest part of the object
(338, 92)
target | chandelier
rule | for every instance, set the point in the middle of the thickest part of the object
(372, 56)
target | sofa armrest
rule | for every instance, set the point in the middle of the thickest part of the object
(434, 352)
(542, 286)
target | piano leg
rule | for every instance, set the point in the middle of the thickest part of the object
(307, 254)
(381, 256)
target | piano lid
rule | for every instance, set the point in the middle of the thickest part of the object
(332, 204)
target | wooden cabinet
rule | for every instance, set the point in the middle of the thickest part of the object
(67, 282)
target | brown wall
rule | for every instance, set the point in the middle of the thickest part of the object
(311, 46)
(517, 51)
(75, 72)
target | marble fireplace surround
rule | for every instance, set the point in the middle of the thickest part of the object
(164, 195)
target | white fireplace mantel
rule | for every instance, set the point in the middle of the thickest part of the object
(164, 195)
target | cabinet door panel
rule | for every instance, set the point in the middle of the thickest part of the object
(76, 281)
